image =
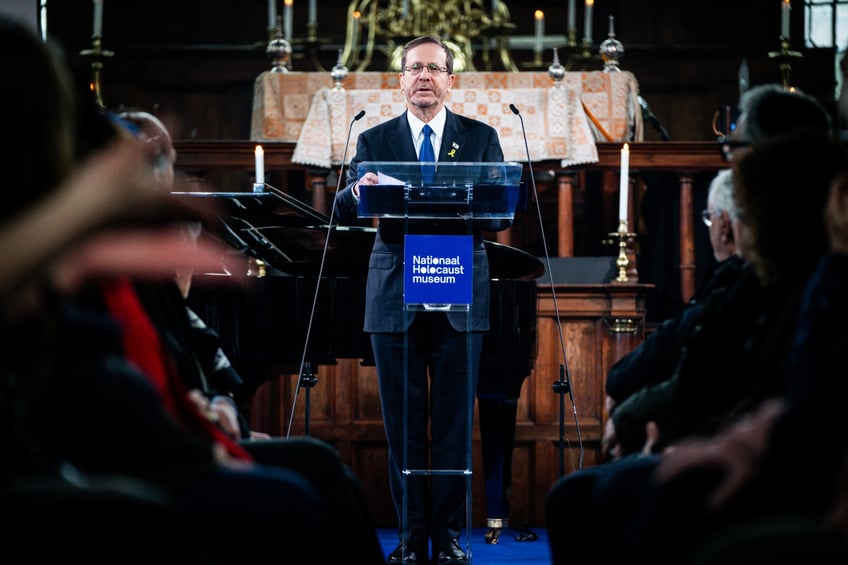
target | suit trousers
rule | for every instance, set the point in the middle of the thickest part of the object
(435, 503)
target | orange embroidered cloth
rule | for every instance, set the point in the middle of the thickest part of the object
(555, 122)
(282, 101)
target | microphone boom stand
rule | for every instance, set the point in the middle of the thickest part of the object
(305, 377)
(562, 385)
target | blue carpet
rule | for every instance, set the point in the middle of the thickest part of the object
(507, 551)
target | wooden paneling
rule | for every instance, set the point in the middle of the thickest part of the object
(599, 323)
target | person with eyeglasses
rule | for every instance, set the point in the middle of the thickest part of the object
(768, 110)
(634, 393)
(740, 357)
(435, 359)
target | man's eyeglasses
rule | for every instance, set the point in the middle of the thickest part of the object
(727, 146)
(435, 70)
(707, 216)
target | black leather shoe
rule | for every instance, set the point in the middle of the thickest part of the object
(409, 553)
(450, 553)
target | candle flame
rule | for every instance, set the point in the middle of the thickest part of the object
(288, 2)
(539, 14)
(357, 14)
(590, 2)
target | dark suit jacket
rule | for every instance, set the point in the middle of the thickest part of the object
(392, 141)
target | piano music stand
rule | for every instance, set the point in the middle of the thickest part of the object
(462, 192)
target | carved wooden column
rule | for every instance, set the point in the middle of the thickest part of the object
(565, 215)
(316, 182)
(687, 238)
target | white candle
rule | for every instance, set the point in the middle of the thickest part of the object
(572, 14)
(259, 157)
(287, 18)
(354, 40)
(494, 7)
(272, 13)
(624, 183)
(785, 6)
(405, 8)
(540, 30)
(587, 21)
(98, 19)
(313, 11)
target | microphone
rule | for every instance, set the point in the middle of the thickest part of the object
(649, 115)
(562, 385)
(306, 377)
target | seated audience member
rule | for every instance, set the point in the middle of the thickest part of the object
(60, 375)
(610, 508)
(766, 110)
(204, 366)
(637, 376)
(206, 370)
(763, 495)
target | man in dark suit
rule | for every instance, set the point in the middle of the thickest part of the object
(436, 343)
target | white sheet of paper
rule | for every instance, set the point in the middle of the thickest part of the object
(386, 179)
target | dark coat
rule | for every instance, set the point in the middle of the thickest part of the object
(392, 141)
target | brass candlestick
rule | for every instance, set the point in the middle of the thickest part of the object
(97, 54)
(785, 55)
(623, 236)
(579, 55)
(571, 42)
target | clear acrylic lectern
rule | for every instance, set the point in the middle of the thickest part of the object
(476, 195)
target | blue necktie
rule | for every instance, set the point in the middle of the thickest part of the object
(427, 154)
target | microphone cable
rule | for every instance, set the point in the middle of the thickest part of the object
(564, 382)
(303, 369)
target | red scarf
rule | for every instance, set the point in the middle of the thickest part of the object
(144, 348)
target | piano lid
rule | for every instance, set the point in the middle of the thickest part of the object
(291, 236)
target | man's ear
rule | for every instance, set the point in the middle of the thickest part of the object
(727, 228)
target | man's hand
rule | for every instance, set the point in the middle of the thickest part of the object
(836, 215)
(737, 450)
(367, 178)
(221, 411)
(652, 436)
(225, 414)
(609, 441)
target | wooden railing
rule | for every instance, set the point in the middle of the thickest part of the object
(684, 158)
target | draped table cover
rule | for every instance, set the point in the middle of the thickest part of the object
(562, 122)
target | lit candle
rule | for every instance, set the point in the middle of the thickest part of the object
(354, 36)
(272, 13)
(287, 18)
(259, 156)
(540, 30)
(785, 6)
(587, 21)
(624, 183)
(313, 11)
(572, 14)
(98, 19)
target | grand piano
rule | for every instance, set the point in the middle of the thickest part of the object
(277, 319)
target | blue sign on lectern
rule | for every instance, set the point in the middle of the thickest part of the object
(438, 269)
